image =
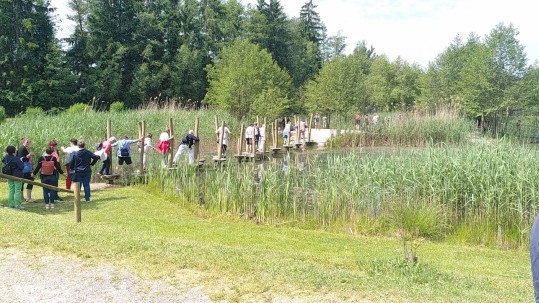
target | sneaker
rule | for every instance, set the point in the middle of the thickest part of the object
(31, 201)
(52, 205)
(20, 207)
(47, 206)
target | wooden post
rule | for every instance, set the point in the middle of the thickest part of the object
(216, 121)
(240, 144)
(196, 146)
(272, 134)
(171, 155)
(221, 136)
(76, 202)
(310, 128)
(265, 135)
(297, 129)
(142, 134)
(276, 130)
(109, 134)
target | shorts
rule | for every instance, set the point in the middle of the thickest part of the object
(127, 160)
(249, 141)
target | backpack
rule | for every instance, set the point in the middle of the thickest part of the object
(47, 167)
(7, 169)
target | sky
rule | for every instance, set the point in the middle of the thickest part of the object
(416, 30)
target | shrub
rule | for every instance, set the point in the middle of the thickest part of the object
(117, 106)
(32, 111)
(79, 108)
(3, 114)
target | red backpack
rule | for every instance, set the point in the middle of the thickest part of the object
(47, 166)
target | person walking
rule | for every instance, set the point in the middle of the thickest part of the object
(124, 150)
(325, 122)
(163, 145)
(317, 121)
(49, 167)
(81, 167)
(226, 133)
(106, 148)
(68, 153)
(26, 157)
(249, 135)
(357, 121)
(185, 145)
(14, 166)
(147, 145)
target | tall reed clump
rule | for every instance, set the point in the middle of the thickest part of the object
(410, 129)
(91, 126)
(476, 193)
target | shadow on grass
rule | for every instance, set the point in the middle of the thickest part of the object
(66, 206)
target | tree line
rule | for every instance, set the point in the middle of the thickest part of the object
(246, 59)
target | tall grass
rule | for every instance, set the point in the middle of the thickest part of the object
(410, 129)
(478, 193)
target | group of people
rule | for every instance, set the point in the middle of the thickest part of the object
(366, 120)
(78, 161)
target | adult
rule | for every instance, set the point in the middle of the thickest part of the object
(375, 119)
(49, 167)
(81, 167)
(54, 145)
(15, 169)
(106, 148)
(534, 256)
(147, 145)
(302, 127)
(317, 121)
(185, 145)
(163, 145)
(26, 157)
(124, 150)
(518, 127)
(68, 153)
(249, 135)
(286, 132)
(357, 121)
(325, 122)
(226, 133)
(256, 132)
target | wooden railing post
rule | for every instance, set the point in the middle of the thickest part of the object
(76, 202)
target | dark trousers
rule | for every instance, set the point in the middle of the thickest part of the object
(105, 167)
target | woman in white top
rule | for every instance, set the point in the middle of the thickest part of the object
(226, 133)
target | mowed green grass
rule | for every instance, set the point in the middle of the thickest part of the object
(240, 261)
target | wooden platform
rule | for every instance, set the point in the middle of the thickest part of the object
(110, 178)
(217, 159)
(275, 149)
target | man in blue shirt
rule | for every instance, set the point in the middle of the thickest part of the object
(185, 145)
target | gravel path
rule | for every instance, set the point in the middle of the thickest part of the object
(27, 278)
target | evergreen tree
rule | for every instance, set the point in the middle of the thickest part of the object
(29, 56)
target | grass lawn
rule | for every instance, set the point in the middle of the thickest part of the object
(239, 261)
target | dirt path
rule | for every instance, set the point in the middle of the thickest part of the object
(48, 278)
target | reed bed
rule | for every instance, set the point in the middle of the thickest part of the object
(482, 193)
(413, 129)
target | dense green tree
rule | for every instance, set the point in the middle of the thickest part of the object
(339, 87)
(269, 28)
(30, 58)
(246, 81)
(311, 26)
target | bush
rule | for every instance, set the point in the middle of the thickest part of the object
(79, 108)
(32, 111)
(3, 114)
(117, 106)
